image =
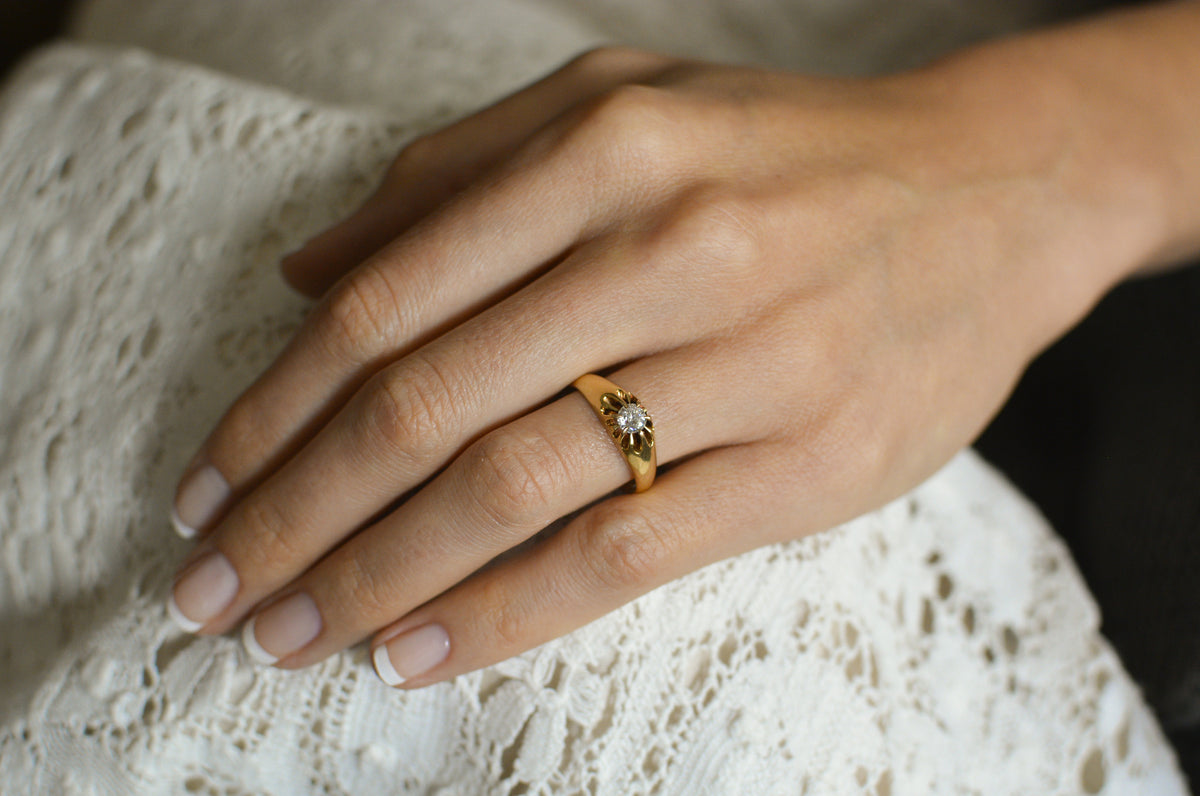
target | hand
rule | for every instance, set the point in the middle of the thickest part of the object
(821, 289)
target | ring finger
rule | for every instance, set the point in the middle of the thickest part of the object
(502, 490)
(415, 415)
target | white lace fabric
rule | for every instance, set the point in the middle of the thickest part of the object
(944, 644)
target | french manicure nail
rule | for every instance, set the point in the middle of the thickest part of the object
(201, 495)
(204, 591)
(183, 529)
(282, 628)
(412, 653)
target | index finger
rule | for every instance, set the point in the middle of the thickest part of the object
(485, 244)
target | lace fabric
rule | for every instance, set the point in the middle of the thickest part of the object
(944, 644)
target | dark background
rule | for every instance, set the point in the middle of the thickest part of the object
(1103, 433)
(27, 23)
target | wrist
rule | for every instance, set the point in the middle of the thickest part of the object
(1115, 96)
(1013, 149)
(1133, 77)
(1106, 151)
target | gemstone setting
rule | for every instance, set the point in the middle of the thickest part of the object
(631, 418)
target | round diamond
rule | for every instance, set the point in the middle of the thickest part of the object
(631, 419)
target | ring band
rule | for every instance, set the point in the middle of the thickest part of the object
(627, 422)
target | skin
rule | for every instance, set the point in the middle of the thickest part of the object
(821, 289)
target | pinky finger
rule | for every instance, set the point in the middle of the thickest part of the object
(703, 510)
(441, 164)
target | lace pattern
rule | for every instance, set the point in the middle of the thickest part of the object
(944, 644)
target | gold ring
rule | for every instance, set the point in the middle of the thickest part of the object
(627, 422)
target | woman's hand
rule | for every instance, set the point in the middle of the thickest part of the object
(821, 289)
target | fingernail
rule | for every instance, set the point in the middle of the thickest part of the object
(203, 592)
(282, 628)
(200, 497)
(412, 653)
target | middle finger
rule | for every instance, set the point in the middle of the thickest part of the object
(418, 413)
(481, 246)
(501, 491)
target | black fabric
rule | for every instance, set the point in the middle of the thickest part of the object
(25, 24)
(1103, 433)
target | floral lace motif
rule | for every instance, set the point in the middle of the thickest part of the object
(944, 644)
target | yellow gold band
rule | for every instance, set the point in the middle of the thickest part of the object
(627, 422)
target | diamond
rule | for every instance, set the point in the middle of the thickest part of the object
(631, 418)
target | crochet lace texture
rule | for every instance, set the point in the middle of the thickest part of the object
(943, 644)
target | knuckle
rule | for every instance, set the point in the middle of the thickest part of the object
(361, 319)
(596, 60)
(365, 589)
(248, 429)
(628, 103)
(608, 58)
(626, 126)
(508, 628)
(850, 451)
(623, 548)
(507, 621)
(513, 476)
(410, 407)
(269, 544)
(707, 244)
(502, 617)
(716, 227)
(870, 453)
